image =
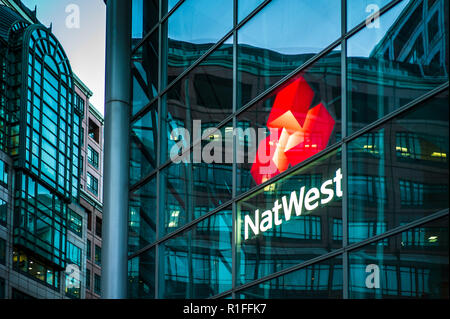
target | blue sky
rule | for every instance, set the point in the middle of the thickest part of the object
(84, 46)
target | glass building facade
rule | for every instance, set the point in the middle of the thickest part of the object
(40, 138)
(350, 197)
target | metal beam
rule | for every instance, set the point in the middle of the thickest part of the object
(116, 149)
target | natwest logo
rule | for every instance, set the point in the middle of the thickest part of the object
(297, 131)
(304, 200)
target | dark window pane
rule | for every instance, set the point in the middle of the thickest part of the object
(398, 172)
(145, 73)
(190, 190)
(197, 263)
(141, 275)
(142, 216)
(143, 140)
(414, 264)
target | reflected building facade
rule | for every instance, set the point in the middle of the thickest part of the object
(43, 237)
(384, 83)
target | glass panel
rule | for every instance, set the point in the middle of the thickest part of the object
(192, 29)
(414, 264)
(198, 262)
(141, 275)
(245, 7)
(205, 94)
(145, 14)
(145, 73)
(142, 216)
(301, 118)
(290, 221)
(395, 63)
(280, 38)
(190, 190)
(322, 280)
(399, 172)
(143, 140)
(364, 10)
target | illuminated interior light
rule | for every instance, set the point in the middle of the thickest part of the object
(401, 149)
(433, 239)
(438, 154)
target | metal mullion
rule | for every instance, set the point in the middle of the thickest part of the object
(158, 154)
(344, 206)
(234, 166)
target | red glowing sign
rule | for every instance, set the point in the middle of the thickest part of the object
(297, 131)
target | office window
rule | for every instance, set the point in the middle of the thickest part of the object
(2, 288)
(92, 184)
(97, 284)
(92, 156)
(75, 223)
(89, 219)
(88, 279)
(73, 254)
(3, 212)
(2, 251)
(98, 255)
(94, 131)
(88, 250)
(98, 226)
(3, 174)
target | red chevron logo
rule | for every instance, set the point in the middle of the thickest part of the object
(297, 131)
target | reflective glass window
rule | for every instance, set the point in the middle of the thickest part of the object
(194, 28)
(145, 73)
(75, 222)
(364, 10)
(143, 141)
(291, 220)
(321, 280)
(198, 262)
(145, 14)
(141, 275)
(299, 119)
(190, 190)
(390, 65)
(280, 38)
(414, 264)
(3, 212)
(399, 172)
(205, 94)
(142, 216)
(245, 7)
(2, 251)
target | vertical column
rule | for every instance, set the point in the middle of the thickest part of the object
(116, 148)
